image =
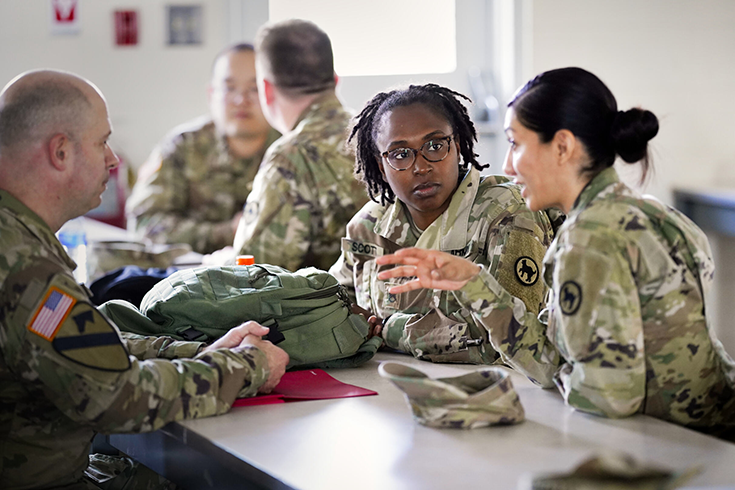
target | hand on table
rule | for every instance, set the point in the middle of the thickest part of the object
(250, 333)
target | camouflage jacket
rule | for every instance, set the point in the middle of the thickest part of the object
(304, 194)
(629, 279)
(191, 187)
(488, 223)
(66, 372)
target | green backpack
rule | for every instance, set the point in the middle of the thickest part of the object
(307, 311)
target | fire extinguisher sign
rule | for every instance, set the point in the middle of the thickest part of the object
(64, 16)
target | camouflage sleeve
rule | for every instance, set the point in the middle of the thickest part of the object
(159, 207)
(276, 224)
(64, 348)
(432, 336)
(514, 256)
(599, 329)
(144, 347)
(516, 333)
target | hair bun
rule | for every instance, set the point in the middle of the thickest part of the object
(631, 130)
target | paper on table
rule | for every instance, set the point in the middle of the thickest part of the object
(309, 384)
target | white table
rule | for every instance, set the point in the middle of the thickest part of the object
(374, 443)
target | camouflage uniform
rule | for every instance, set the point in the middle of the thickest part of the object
(66, 372)
(488, 223)
(629, 279)
(304, 194)
(191, 187)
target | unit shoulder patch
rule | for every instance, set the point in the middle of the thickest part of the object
(87, 338)
(570, 297)
(526, 271)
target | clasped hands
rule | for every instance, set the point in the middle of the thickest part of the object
(250, 334)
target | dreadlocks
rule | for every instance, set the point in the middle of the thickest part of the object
(444, 101)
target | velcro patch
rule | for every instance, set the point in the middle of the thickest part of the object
(362, 248)
(51, 313)
(519, 272)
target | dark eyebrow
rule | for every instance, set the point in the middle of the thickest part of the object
(426, 137)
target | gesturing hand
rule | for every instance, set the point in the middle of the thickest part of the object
(433, 270)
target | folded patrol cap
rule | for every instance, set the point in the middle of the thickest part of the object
(476, 399)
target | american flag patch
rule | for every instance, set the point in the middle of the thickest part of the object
(51, 314)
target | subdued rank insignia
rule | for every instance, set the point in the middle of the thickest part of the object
(526, 271)
(251, 211)
(87, 338)
(570, 297)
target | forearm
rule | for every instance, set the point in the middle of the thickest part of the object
(515, 333)
(436, 337)
(606, 391)
(143, 347)
(155, 392)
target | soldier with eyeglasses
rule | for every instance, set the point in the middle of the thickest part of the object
(415, 154)
(194, 184)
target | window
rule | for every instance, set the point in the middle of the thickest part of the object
(381, 37)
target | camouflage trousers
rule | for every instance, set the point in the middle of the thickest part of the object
(122, 473)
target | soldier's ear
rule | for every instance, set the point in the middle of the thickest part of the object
(564, 145)
(379, 159)
(269, 91)
(60, 151)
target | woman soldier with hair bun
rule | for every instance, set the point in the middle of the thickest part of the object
(629, 276)
(415, 152)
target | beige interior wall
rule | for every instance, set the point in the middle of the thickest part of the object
(677, 59)
(150, 88)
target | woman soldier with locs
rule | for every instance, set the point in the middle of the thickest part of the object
(415, 153)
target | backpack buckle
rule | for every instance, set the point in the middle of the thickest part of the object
(274, 335)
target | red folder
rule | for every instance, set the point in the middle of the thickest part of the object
(309, 384)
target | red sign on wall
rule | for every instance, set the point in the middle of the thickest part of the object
(65, 16)
(126, 27)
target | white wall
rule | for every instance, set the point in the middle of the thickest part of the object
(677, 59)
(150, 88)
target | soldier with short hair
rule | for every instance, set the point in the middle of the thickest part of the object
(194, 184)
(629, 276)
(66, 372)
(305, 191)
(415, 150)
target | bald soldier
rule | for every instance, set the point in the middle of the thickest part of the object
(305, 191)
(65, 371)
(193, 186)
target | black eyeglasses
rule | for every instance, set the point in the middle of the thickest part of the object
(434, 150)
